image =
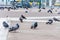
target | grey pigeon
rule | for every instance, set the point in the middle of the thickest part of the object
(21, 18)
(5, 24)
(34, 25)
(14, 28)
(50, 21)
(49, 11)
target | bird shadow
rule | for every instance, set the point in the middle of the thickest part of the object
(14, 32)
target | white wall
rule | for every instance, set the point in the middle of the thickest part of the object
(57, 0)
(50, 3)
(1, 3)
(4, 2)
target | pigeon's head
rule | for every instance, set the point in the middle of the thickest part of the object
(17, 24)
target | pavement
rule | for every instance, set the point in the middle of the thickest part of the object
(42, 32)
(31, 13)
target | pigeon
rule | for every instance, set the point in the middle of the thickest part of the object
(39, 10)
(50, 21)
(5, 24)
(23, 17)
(55, 19)
(14, 28)
(34, 25)
(43, 8)
(49, 11)
(26, 11)
(21, 20)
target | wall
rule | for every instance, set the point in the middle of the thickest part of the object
(5, 2)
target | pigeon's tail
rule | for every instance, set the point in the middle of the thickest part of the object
(25, 18)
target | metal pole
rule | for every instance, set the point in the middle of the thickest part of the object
(6, 2)
(14, 0)
(39, 4)
(22, 3)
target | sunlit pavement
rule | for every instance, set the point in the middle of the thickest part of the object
(43, 31)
